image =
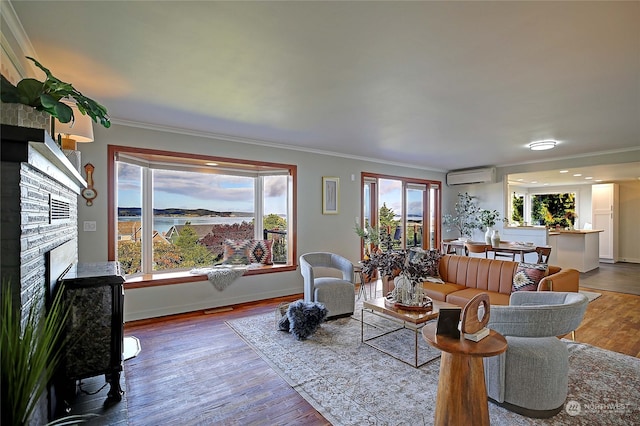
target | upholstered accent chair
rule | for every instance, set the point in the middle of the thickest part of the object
(531, 377)
(336, 293)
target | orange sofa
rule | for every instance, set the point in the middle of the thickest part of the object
(464, 277)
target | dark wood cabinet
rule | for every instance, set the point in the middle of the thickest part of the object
(95, 326)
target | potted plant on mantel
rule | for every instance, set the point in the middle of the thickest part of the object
(47, 97)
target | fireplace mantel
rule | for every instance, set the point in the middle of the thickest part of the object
(36, 147)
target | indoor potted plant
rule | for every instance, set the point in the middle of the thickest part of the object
(488, 218)
(31, 349)
(49, 96)
(465, 219)
(369, 236)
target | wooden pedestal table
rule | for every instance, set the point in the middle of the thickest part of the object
(462, 394)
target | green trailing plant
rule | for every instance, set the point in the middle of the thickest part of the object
(30, 352)
(48, 96)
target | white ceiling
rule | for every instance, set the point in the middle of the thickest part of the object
(590, 175)
(438, 85)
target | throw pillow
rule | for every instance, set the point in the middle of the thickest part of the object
(528, 276)
(235, 252)
(305, 318)
(259, 251)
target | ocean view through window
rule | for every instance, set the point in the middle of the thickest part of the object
(174, 211)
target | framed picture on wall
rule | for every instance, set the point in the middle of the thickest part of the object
(330, 194)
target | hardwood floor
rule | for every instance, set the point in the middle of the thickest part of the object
(193, 364)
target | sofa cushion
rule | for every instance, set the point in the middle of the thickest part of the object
(474, 272)
(528, 275)
(440, 291)
(462, 297)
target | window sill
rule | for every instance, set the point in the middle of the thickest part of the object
(183, 277)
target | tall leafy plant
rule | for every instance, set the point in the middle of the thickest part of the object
(30, 353)
(465, 219)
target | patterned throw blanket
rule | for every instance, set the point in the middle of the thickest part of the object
(222, 277)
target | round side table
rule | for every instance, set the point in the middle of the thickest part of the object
(462, 394)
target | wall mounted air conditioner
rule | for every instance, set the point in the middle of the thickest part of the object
(465, 177)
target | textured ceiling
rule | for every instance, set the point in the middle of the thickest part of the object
(438, 85)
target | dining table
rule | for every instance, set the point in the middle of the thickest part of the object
(502, 247)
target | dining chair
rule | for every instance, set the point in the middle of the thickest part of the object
(477, 248)
(447, 247)
(543, 254)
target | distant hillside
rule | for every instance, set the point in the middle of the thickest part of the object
(173, 212)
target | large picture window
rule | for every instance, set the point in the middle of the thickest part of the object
(173, 212)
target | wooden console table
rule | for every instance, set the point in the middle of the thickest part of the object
(462, 394)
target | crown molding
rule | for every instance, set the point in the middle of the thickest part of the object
(265, 143)
(23, 43)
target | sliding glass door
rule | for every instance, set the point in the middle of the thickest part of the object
(405, 211)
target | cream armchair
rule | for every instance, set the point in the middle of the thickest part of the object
(336, 293)
(531, 377)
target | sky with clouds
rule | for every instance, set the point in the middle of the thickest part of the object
(189, 190)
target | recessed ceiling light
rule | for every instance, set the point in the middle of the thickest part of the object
(211, 164)
(598, 180)
(577, 175)
(564, 171)
(520, 180)
(545, 184)
(542, 145)
(589, 178)
(534, 181)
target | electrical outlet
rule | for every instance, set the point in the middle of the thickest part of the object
(89, 226)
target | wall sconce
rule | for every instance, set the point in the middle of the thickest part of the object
(542, 145)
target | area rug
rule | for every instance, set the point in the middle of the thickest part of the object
(591, 295)
(350, 383)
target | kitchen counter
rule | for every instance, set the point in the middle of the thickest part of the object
(577, 249)
(575, 231)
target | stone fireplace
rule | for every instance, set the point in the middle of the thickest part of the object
(39, 213)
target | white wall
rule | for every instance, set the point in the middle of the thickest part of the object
(315, 231)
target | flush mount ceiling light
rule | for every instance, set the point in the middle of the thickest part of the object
(542, 145)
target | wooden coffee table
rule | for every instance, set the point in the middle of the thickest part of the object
(462, 394)
(410, 319)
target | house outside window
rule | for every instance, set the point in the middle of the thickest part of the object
(173, 211)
